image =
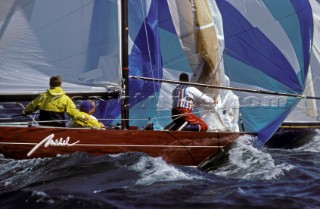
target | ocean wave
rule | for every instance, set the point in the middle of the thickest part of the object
(247, 162)
(157, 170)
(313, 144)
(137, 180)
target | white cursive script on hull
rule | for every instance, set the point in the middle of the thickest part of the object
(49, 141)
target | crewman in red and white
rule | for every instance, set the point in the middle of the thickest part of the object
(185, 98)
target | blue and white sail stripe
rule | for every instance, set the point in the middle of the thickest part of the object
(155, 51)
(144, 60)
(267, 46)
(307, 110)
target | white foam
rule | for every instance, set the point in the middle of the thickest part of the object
(156, 169)
(247, 162)
(42, 197)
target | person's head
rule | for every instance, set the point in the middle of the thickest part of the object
(184, 77)
(55, 81)
(87, 106)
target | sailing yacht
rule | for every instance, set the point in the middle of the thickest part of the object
(127, 56)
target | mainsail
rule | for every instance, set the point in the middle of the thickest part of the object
(77, 40)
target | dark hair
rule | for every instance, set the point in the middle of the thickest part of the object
(55, 81)
(184, 77)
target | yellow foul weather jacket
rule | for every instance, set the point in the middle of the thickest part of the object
(83, 119)
(52, 105)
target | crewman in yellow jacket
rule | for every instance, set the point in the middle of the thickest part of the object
(84, 117)
(53, 104)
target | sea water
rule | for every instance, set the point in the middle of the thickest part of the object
(251, 178)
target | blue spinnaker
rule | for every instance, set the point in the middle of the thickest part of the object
(267, 46)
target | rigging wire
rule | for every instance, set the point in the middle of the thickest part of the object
(149, 52)
(301, 96)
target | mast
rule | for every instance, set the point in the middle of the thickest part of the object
(125, 65)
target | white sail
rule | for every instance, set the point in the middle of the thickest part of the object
(80, 41)
(39, 39)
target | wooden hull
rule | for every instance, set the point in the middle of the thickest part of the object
(181, 148)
